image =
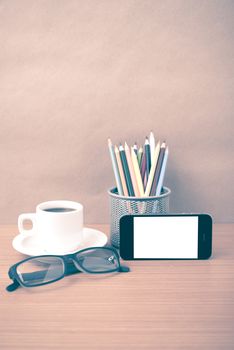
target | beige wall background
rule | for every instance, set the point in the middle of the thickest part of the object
(76, 72)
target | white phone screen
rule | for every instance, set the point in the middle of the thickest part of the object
(166, 237)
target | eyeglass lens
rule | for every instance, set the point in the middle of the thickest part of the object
(98, 260)
(40, 270)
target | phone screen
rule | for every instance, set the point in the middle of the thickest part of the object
(165, 237)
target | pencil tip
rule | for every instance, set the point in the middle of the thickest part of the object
(126, 146)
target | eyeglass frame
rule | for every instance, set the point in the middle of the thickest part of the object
(14, 276)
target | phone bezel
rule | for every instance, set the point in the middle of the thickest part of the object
(204, 236)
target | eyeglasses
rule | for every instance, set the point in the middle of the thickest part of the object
(44, 269)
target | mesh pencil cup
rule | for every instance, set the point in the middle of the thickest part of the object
(121, 205)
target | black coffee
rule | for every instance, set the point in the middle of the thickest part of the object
(59, 210)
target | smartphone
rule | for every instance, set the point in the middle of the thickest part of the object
(172, 236)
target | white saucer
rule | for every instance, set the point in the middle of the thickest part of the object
(29, 244)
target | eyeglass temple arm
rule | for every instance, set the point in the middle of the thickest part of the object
(124, 268)
(13, 286)
(71, 269)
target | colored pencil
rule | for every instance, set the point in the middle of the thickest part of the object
(139, 155)
(115, 168)
(126, 171)
(143, 166)
(162, 173)
(158, 169)
(137, 172)
(152, 146)
(148, 161)
(135, 148)
(152, 170)
(121, 173)
(131, 170)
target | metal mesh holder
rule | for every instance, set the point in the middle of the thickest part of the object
(120, 206)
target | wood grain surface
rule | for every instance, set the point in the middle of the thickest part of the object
(158, 305)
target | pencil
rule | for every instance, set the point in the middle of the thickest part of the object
(131, 170)
(158, 169)
(121, 173)
(152, 146)
(148, 161)
(126, 171)
(115, 168)
(143, 166)
(137, 172)
(152, 170)
(162, 173)
(139, 155)
(135, 148)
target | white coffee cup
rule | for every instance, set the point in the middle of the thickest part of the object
(57, 224)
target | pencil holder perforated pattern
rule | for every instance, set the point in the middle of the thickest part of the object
(120, 206)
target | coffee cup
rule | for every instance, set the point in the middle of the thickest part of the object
(58, 225)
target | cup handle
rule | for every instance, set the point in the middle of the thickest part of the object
(22, 218)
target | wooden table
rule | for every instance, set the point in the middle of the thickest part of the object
(159, 305)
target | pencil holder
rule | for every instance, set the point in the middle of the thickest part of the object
(121, 205)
